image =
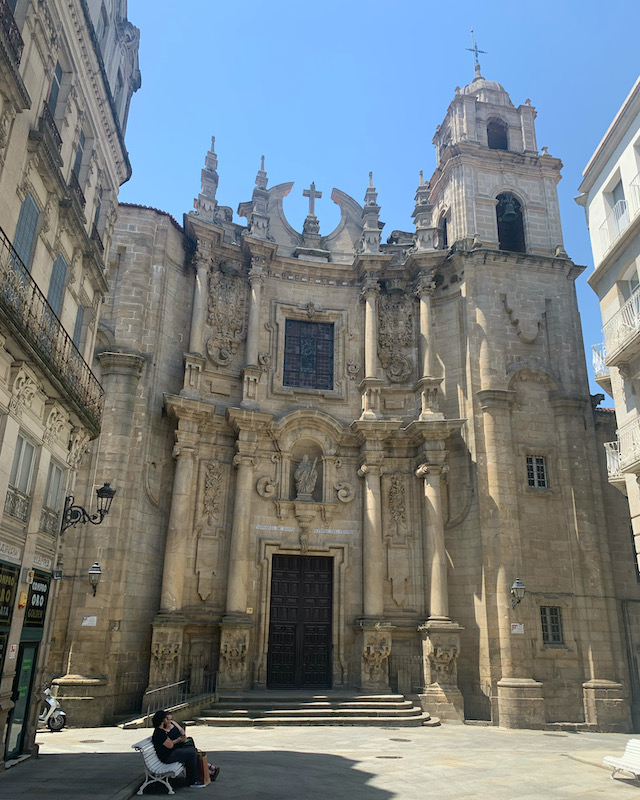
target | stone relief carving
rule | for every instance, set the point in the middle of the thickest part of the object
(77, 447)
(395, 332)
(397, 506)
(528, 320)
(305, 477)
(264, 361)
(233, 655)
(207, 557)
(212, 490)
(227, 313)
(375, 654)
(165, 661)
(352, 370)
(345, 491)
(266, 487)
(54, 425)
(22, 392)
(442, 658)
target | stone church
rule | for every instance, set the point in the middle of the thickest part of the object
(353, 461)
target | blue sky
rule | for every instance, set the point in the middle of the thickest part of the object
(329, 91)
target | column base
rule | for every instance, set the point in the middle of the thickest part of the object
(606, 707)
(376, 649)
(235, 640)
(444, 702)
(521, 703)
(83, 699)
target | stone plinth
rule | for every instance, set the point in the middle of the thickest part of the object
(166, 650)
(235, 638)
(441, 696)
(376, 649)
(82, 698)
(520, 703)
(606, 707)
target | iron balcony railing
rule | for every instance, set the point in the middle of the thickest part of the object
(11, 31)
(49, 127)
(16, 504)
(623, 326)
(74, 185)
(95, 238)
(26, 309)
(612, 450)
(50, 520)
(629, 445)
(599, 358)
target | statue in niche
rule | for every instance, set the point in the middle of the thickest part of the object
(306, 476)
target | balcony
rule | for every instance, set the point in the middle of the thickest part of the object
(629, 446)
(96, 239)
(11, 32)
(35, 326)
(622, 332)
(601, 370)
(16, 504)
(615, 475)
(49, 521)
(616, 222)
(74, 185)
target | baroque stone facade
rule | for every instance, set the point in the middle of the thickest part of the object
(339, 453)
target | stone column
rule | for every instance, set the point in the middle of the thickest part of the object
(185, 452)
(370, 386)
(428, 384)
(198, 316)
(520, 698)
(256, 280)
(372, 550)
(435, 553)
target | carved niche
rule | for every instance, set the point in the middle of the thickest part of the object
(395, 335)
(227, 304)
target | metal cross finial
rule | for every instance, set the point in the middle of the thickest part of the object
(312, 194)
(474, 49)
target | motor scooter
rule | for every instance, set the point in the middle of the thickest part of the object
(52, 716)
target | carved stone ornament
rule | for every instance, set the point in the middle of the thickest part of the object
(264, 361)
(305, 477)
(442, 655)
(352, 370)
(227, 315)
(395, 332)
(375, 654)
(345, 491)
(54, 425)
(212, 491)
(266, 487)
(165, 662)
(22, 392)
(233, 655)
(77, 447)
(397, 506)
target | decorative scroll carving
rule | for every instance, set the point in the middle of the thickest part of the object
(227, 312)
(264, 361)
(22, 392)
(266, 487)
(54, 425)
(395, 332)
(397, 506)
(352, 370)
(345, 491)
(212, 490)
(77, 447)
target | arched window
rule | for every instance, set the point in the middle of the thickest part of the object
(497, 135)
(444, 238)
(510, 224)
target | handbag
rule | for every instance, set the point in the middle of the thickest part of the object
(203, 769)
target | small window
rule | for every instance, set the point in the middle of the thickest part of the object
(22, 467)
(77, 164)
(53, 491)
(308, 354)
(54, 91)
(25, 236)
(96, 216)
(551, 618)
(537, 472)
(56, 284)
(497, 135)
(445, 236)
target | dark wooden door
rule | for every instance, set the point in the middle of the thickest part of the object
(300, 624)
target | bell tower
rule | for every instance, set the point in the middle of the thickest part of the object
(491, 185)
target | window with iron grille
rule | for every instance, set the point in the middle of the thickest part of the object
(551, 618)
(308, 354)
(537, 472)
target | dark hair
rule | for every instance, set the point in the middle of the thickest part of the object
(159, 717)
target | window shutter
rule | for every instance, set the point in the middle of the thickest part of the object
(25, 237)
(56, 284)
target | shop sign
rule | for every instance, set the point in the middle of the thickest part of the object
(42, 563)
(37, 601)
(8, 586)
(10, 553)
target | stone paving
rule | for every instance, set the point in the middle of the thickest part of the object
(305, 763)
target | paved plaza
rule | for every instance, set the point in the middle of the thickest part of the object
(303, 763)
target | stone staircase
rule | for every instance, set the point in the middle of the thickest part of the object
(273, 707)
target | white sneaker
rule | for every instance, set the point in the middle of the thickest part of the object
(197, 785)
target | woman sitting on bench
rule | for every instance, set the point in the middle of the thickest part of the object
(171, 744)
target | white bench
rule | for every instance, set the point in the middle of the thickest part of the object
(156, 770)
(630, 760)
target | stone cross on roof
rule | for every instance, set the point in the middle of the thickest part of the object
(312, 194)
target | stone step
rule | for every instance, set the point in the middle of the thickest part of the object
(252, 711)
(393, 722)
(317, 704)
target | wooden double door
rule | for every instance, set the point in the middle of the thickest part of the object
(300, 623)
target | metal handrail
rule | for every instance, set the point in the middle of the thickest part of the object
(11, 31)
(49, 124)
(616, 222)
(175, 694)
(629, 444)
(624, 324)
(26, 307)
(599, 358)
(612, 451)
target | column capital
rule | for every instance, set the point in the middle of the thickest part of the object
(495, 398)
(256, 273)
(371, 468)
(428, 470)
(424, 285)
(244, 460)
(370, 288)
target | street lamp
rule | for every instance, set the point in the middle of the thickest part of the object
(74, 515)
(517, 592)
(95, 573)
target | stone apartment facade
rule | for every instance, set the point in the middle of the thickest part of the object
(610, 194)
(67, 74)
(337, 454)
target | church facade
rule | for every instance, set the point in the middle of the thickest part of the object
(344, 462)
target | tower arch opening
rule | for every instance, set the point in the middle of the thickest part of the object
(510, 223)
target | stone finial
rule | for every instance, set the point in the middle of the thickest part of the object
(311, 227)
(206, 203)
(371, 218)
(261, 177)
(422, 215)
